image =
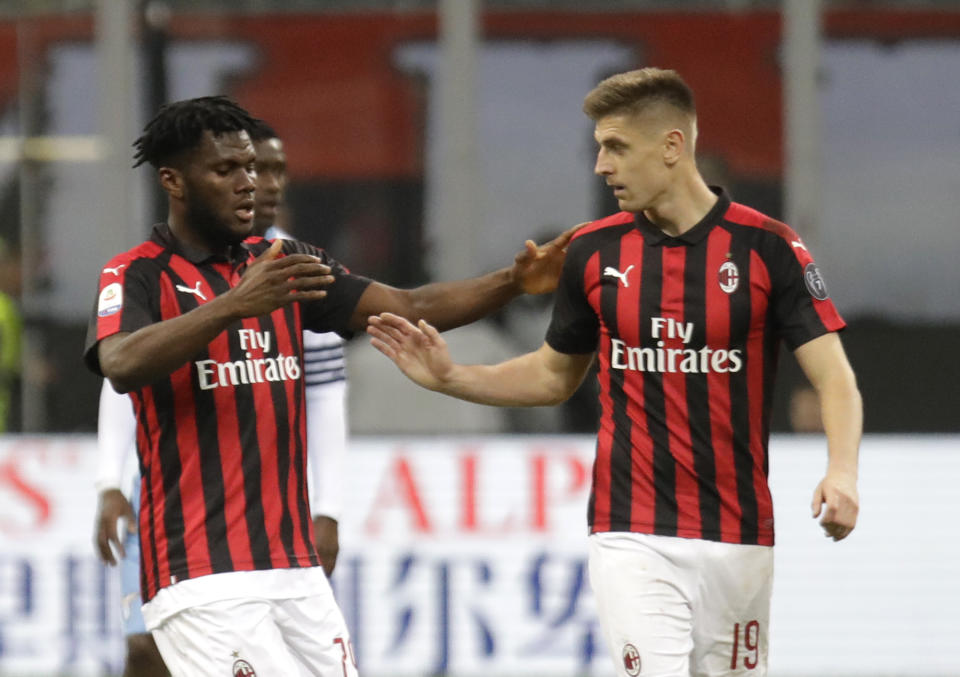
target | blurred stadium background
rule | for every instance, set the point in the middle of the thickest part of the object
(427, 140)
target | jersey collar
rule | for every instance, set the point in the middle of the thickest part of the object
(163, 236)
(654, 236)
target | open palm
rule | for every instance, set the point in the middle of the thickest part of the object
(419, 351)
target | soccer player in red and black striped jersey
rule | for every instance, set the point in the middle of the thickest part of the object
(203, 327)
(684, 298)
(326, 419)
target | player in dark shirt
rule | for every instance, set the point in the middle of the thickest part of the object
(683, 298)
(204, 329)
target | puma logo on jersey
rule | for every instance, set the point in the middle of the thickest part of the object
(610, 271)
(194, 290)
(797, 244)
(115, 271)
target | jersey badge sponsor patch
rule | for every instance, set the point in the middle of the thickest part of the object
(814, 281)
(631, 660)
(111, 299)
(610, 271)
(195, 290)
(728, 276)
(242, 669)
(115, 271)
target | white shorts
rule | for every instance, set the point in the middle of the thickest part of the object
(250, 637)
(678, 607)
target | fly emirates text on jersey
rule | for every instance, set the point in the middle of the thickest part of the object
(212, 374)
(662, 359)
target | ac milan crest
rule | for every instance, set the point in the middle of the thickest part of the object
(243, 669)
(728, 276)
(631, 660)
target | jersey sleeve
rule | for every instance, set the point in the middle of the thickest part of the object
(325, 388)
(574, 325)
(124, 304)
(326, 447)
(116, 438)
(800, 301)
(334, 311)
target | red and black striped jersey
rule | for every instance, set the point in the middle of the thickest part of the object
(687, 331)
(222, 440)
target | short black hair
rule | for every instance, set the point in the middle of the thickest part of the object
(261, 131)
(179, 127)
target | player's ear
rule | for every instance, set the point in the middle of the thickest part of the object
(674, 143)
(171, 180)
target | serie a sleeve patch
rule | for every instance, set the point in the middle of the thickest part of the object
(110, 300)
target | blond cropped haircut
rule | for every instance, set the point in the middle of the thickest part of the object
(634, 92)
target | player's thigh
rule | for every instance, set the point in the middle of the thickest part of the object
(317, 634)
(642, 602)
(732, 608)
(230, 637)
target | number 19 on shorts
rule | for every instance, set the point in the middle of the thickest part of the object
(746, 645)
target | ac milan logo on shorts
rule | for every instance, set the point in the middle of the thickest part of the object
(728, 276)
(243, 669)
(631, 660)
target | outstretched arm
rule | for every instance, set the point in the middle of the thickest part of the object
(542, 377)
(446, 305)
(825, 365)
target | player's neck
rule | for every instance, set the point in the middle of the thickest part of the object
(683, 206)
(190, 236)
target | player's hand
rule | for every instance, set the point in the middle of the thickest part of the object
(837, 499)
(111, 506)
(327, 538)
(419, 351)
(273, 281)
(536, 269)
